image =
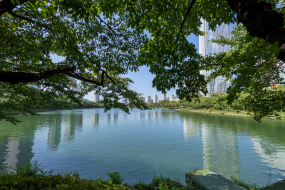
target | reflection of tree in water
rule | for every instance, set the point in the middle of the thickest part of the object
(95, 120)
(16, 141)
(72, 122)
(169, 115)
(54, 131)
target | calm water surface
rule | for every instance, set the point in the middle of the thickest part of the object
(93, 143)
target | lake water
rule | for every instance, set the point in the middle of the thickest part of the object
(93, 143)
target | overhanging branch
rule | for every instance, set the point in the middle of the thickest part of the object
(26, 77)
(262, 21)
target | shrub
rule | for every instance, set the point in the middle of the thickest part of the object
(115, 177)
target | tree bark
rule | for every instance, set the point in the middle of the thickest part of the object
(26, 77)
(262, 21)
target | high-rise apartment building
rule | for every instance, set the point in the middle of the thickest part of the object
(163, 97)
(147, 99)
(171, 97)
(206, 47)
(143, 99)
(95, 96)
(155, 98)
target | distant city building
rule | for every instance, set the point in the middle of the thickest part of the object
(143, 99)
(151, 101)
(147, 99)
(95, 96)
(163, 97)
(167, 98)
(171, 97)
(155, 98)
(159, 101)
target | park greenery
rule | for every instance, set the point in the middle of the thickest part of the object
(218, 102)
(33, 176)
(100, 41)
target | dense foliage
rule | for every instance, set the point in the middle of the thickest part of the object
(100, 41)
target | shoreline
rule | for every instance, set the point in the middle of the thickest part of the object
(227, 113)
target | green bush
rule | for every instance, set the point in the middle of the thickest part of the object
(115, 177)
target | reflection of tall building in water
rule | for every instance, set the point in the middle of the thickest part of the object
(108, 117)
(206, 47)
(220, 148)
(54, 132)
(17, 149)
(95, 119)
(115, 116)
(271, 153)
(155, 114)
(191, 129)
(141, 115)
(220, 151)
(72, 122)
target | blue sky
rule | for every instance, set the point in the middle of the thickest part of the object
(143, 78)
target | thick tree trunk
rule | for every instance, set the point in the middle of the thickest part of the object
(262, 21)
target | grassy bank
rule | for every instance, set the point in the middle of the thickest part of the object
(280, 115)
(32, 176)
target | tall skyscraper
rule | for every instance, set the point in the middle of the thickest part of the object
(95, 96)
(155, 98)
(171, 97)
(163, 97)
(206, 47)
(147, 99)
(143, 99)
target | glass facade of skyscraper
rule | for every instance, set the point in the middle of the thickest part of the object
(206, 47)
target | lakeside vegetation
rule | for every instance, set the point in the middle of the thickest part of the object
(33, 176)
(219, 103)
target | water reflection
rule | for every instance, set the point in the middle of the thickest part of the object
(108, 117)
(220, 151)
(221, 134)
(155, 114)
(273, 155)
(142, 115)
(95, 120)
(54, 131)
(72, 122)
(16, 142)
(191, 129)
(115, 116)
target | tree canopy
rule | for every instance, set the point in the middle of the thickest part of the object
(101, 40)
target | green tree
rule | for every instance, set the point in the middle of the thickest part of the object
(101, 40)
(96, 51)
